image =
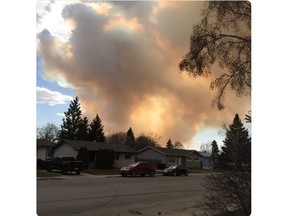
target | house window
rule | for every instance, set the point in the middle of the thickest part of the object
(196, 159)
(189, 158)
(171, 159)
(127, 156)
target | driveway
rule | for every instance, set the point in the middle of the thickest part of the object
(89, 195)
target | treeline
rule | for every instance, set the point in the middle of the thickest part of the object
(76, 127)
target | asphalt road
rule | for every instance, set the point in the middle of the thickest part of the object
(88, 195)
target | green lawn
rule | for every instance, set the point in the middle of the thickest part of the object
(44, 173)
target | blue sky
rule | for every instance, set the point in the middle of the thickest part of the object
(121, 60)
(47, 111)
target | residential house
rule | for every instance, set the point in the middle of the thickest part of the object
(69, 148)
(43, 148)
(165, 157)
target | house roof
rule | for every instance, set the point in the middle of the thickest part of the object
(205, 154)
(96, 146)
(170, 151)
(44, 143)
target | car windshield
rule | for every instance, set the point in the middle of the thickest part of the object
(173, 166)
(133, 164)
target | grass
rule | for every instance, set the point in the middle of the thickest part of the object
(44, 173)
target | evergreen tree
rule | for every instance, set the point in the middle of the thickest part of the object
(130, 138)
(230, 185)
(83, 155)
(96, 130)
(71, 121)
(169, 144)
(237, 146)
(215, 152)
(83, 131)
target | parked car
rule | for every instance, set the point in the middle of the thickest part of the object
(65, 164)
(139, 168)
(176, 170)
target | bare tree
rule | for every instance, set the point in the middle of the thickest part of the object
(206, 147)
(178, 145)
(223, 37)
(227, 193)
(49, 132)
(116, 138)
(147, 140)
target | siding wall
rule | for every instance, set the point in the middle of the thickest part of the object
(194, 161)
(205, 163)
(123, 161)
(65, 151)
(41, 153)
(150, 154)
(194, 164)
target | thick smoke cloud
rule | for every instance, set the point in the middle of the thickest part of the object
(124, 67)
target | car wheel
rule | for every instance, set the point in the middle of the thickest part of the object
(152, 174)
(133, 174)
(186, 173)
(78, 172)
(123, 175)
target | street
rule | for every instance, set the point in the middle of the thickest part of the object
(90, 195)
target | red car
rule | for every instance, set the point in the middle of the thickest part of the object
(139, 168)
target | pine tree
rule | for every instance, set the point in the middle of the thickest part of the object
(169, 144)
(83, 131)
(130, 138)
(237, 146)
(96, 130)
(230, 185)
(215, 152)
(71, 121)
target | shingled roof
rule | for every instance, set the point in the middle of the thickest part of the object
(44, 143)
(171, 151)
(96, 146)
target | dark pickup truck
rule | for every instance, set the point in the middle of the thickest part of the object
(65, 164)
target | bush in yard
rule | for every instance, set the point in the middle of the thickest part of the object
(83, 156)
(105, 159)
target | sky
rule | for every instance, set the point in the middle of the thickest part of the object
(121, 60)
(19, 85)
